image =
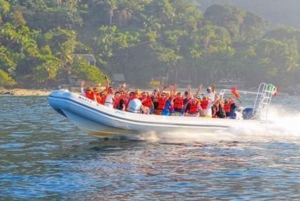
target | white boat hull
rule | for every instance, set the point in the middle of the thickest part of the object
(99, 120)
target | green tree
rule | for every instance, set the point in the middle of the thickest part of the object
(46, 71)
(6, 80)
(82, 70)
(111, 40)
(226, 16)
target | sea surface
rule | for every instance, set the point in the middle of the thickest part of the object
(44, 157)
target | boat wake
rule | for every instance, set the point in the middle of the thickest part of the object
(283, 126)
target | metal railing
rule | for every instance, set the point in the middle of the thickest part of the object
(262, 101)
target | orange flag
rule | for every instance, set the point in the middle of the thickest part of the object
(235, 92)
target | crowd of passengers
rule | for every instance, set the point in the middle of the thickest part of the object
(160, 102)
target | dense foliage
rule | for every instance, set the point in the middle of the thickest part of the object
(275, 11)
(141, 39)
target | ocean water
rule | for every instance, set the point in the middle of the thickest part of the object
(44, 157)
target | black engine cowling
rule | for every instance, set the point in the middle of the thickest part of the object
(248, 113)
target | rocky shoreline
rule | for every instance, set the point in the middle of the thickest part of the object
(24, 92)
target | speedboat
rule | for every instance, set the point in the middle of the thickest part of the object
(102, 121)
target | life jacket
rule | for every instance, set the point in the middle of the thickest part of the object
(98, 98)
(204, 104)
(90, 95)
(161, 103)
(126, 100)
(147, 102)
(119, 106)
(116, 102)
(193, 107)
(227, 107)
(102, 101)
(178, 103)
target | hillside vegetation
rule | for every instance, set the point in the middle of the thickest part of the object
(141, 39)
(277, 12)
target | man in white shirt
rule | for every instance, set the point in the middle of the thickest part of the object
(210, 94)
(211, 98)
(109, 101)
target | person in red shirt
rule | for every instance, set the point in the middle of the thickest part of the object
(147, 103)
(97, 95)
(178, 103)
(88, 92)
(193, 108)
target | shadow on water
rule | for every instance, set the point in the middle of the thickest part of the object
(108, 145)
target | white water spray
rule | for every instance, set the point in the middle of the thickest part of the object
(284, 125)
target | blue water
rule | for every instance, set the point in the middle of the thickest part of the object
(44, 157)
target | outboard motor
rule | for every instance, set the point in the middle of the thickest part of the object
(248, 113)
(238, 113)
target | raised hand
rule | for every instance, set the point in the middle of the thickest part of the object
(82, 82)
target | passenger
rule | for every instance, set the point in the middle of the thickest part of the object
(147, 103)
(103, 97)
(188, 95)
(217, 109)
(121, 103)
(186, 99)
(227, 106)
(117, 99)
(109, 101)
(210, 97)
(221, 113)
(109, 97)
(161, 99)
(204, 102)
(134, 104)
(193, 108)
(125, 97)
(168, 106)
(178, 105)
(233, 107)
(154, 99)
(97, 95)
(210, 94)
(138, 93)
(88, 92)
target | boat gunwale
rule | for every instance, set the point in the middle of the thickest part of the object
(138, 121)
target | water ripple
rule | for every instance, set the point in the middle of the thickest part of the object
(44, 157)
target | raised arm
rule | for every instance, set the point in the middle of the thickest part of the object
(106, 83)
(158, 92)
(199, 90)
(82, 82)
(213, 88)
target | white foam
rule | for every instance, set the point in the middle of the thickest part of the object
(284, 125)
